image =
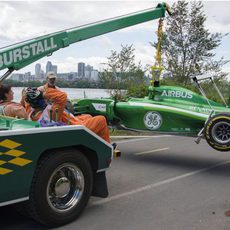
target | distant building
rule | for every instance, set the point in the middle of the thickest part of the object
(54, 69)
(42, 75)
(48, 67)
(81, 69)
(87, 74)
(38, 71)
(63, 76)
(88, 70)
(94, 75)
(51, 68)
(67, 76)
(70, 76)
(17, 77)
(27, 76)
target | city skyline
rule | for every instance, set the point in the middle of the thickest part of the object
(84, 71)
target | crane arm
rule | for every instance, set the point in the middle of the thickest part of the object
(22, 54)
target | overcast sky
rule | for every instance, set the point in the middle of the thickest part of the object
(20, 20)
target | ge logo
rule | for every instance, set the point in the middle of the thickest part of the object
(152, 120)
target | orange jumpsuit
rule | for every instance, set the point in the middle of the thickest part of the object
(58, 98)
(13, 109)
(58, 101)
(44, 88)
(96, 124)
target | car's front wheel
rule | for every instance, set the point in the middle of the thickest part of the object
(217, 132)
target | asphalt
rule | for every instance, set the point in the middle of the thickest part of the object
(159, 183)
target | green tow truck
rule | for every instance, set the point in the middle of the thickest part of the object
(51, 172)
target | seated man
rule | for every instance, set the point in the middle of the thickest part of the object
(51, 79)
(38, 105)
(7, 106)
(51, 84)
(39, 109)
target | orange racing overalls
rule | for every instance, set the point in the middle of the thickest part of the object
(58, 98)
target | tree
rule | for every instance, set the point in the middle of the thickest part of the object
(122, 73)
(188, 46)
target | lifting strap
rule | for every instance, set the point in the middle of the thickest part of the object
(157, 68)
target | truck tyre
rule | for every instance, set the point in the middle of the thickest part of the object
(61, 187)
(217, 132)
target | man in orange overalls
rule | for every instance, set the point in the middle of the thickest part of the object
(53, 99)
(51, 83)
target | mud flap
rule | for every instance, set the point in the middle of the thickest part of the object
(100, 188)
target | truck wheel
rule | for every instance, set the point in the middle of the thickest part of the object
(61, 188)
(217, 132)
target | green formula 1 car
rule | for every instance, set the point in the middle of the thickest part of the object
(167, 109)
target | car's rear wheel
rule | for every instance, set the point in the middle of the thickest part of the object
(217, 132)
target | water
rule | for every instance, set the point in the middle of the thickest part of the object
(73, 93)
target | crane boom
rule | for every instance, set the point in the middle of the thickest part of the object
(19, 55)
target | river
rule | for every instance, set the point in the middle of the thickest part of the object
(73, 93)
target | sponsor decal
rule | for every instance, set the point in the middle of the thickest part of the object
(11, 156)
(99, 107)
(177, 94)
(20, 54)
(200, 109)
(181, 129)
(152, 120)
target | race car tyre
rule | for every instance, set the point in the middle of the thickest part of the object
(217, 132)
(61, 187)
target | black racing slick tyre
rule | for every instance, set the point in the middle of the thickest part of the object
(217, 132)
(61, 187)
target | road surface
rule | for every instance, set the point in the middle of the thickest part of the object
(159, 183)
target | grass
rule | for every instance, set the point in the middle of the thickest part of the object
(116, 132)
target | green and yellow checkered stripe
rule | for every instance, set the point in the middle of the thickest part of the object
(11, 156)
